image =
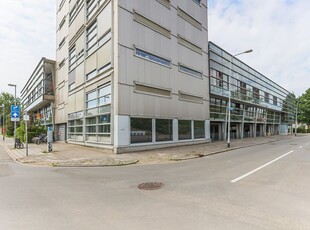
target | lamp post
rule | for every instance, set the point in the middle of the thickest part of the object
(229, 96)
(14, 121)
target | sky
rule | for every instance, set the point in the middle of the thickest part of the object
(277, 31)
(27, 33)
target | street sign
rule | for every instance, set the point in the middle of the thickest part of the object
(15, 113)
(26, 117)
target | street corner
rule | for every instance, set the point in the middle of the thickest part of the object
(35, 161)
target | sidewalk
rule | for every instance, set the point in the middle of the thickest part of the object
(70, 155)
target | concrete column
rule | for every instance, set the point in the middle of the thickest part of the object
(207, 129)
(121, 131)
(242, 125)
(175, 128)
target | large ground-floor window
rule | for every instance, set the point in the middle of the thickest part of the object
(185, 129)
(98, 115)
(93, 124)
(148, 130)
(141, 130)
(75, 126)
(164, 130)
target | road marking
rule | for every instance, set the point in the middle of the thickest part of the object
(259, 168)
(300, 147)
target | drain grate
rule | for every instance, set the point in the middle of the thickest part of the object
(151, 186)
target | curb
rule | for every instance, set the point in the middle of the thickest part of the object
(189, 157)
(99, 164)
(81, 163)
(13, 156)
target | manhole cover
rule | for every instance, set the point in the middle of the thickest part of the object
(150, 186)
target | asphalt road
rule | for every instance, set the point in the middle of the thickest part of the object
(261, 187)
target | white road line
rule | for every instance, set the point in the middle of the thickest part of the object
(259, 168)
(300, 147)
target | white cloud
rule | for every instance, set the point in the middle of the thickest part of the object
(276, 30)
(27, 33)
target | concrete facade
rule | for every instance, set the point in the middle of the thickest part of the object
(132, 74)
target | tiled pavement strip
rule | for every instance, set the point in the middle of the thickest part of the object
(70, 155)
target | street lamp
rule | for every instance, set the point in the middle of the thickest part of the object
(229, 96)
(14, 121)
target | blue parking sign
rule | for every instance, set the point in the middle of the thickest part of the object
(15, 113)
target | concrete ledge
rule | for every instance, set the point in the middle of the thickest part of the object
(144, 147)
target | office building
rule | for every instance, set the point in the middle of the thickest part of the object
(37, 96)
(132, 74)
(259, 106)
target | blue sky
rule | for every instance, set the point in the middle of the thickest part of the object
(277, 31)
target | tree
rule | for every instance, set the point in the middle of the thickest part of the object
(7, 100)
(304, 108)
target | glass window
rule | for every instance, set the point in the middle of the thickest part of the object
(91, 75)
(274, 100)
(75, 127)
(190, 71)
(91, 36)
(199, 129)
(104, 119)
(140, 130)
(91, 120)
(185, 130)
(163, 130)
(91, 104)
(152, 57)
(104, 129)
(72, 58)
(90, 129)
(98, 116)
(102, 40)
(90, 10)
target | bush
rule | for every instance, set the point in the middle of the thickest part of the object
(38, 130)
(20, 132)
(30, 136)
(301, 129)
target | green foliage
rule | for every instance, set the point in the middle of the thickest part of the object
(38, 129)
(30, 136)
(20, 132)
(9, 126)
(304, 108)
(7, 100)
(301, 129)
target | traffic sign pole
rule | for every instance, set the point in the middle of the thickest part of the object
(26, 119)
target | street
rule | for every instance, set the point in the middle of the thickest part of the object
(260, 187)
